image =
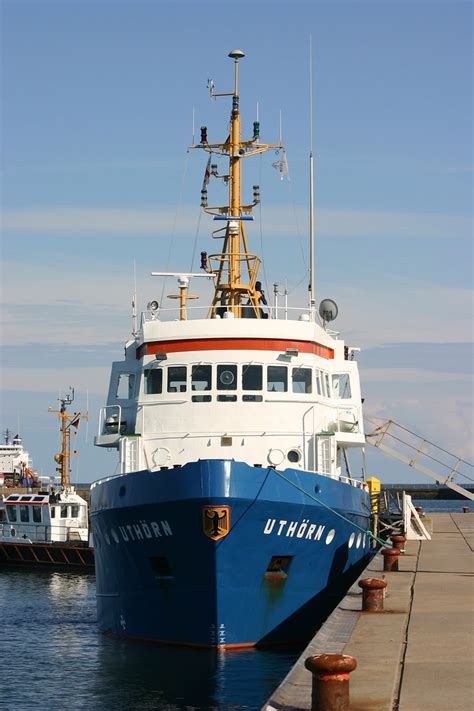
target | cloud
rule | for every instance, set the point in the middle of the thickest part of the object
(279, 221)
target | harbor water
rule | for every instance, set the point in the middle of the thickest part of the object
(54, 656)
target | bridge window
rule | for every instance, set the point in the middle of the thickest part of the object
(227, 380)
(53, 511)
(327, 386)
(319, 389)
(36, 514)
(75, 511)
(153, 381)
(252, 379)
(201, 379)
(63, 511)
(24, 514)
(177, 379)
(125, 386)
(227, 377)
(277, 379)
(11, 511)
(301, 378)
(341, 385)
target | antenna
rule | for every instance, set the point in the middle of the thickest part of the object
(311, 180)
(134, 301)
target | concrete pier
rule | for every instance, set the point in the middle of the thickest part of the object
(419, 653)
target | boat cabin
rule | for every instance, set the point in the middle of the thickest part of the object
(44, 518)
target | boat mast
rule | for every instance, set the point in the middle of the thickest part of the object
(235, 268)
(311, 183)
(63, 459)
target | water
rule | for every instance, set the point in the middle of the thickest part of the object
(53, 656)
(443, 505)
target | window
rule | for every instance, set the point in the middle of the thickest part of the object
(177, 379)
(36, 514)
(319, 389)
(301, 378)
(125, 386)
(277, 379)
(53, 511)
(153, 381)
(201, 379)
(227, 380)
(226, 377)
(341, 385)
(252, 377)
(3, 515)
(327, 386)
(75, 511)
(24, 513)
(63, 511)
(11, 511)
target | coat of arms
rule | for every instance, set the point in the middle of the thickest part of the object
(216, 521)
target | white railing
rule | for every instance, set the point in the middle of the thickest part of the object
(278, 313)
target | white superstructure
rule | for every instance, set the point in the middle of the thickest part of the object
(266, 392)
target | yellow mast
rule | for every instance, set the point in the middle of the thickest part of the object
(236, 269)
(63, 459)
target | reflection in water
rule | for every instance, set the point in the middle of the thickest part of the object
(51, 640)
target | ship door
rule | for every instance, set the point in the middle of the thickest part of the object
(129, 454)
(326, 454)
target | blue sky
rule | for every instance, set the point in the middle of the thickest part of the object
(97, 101)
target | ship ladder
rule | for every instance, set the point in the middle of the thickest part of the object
(414, 450)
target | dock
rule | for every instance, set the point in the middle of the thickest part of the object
(418, 653)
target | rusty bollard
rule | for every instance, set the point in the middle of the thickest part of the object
(399, 542)
(466, 509)
(330, 672)
(390, 559)
(372, 594)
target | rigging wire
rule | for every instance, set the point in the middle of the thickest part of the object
(367, 531)
(175, 219)
(195, 240)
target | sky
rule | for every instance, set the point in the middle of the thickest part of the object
(97, 180)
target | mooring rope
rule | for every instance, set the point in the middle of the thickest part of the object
(367, 531)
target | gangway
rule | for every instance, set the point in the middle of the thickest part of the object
(421, 454)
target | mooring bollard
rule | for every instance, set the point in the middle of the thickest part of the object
(419, 510)
(399, 542)
(390, 559)
(372, 594)
(330, 672)
(466, 509)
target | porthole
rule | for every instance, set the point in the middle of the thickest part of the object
(330, 536)
(275, 457)
(364, 540)
(351, 540)
(359, 538)
(294, 455)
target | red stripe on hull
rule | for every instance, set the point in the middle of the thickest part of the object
(233, 344)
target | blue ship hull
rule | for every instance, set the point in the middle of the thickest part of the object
(283, 565)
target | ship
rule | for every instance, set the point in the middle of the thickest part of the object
(234, 519)
(48, 526)
(16, 468)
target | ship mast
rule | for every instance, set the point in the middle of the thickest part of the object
(63, 459)
(235, 269)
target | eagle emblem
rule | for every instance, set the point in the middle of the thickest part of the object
(216, 521)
